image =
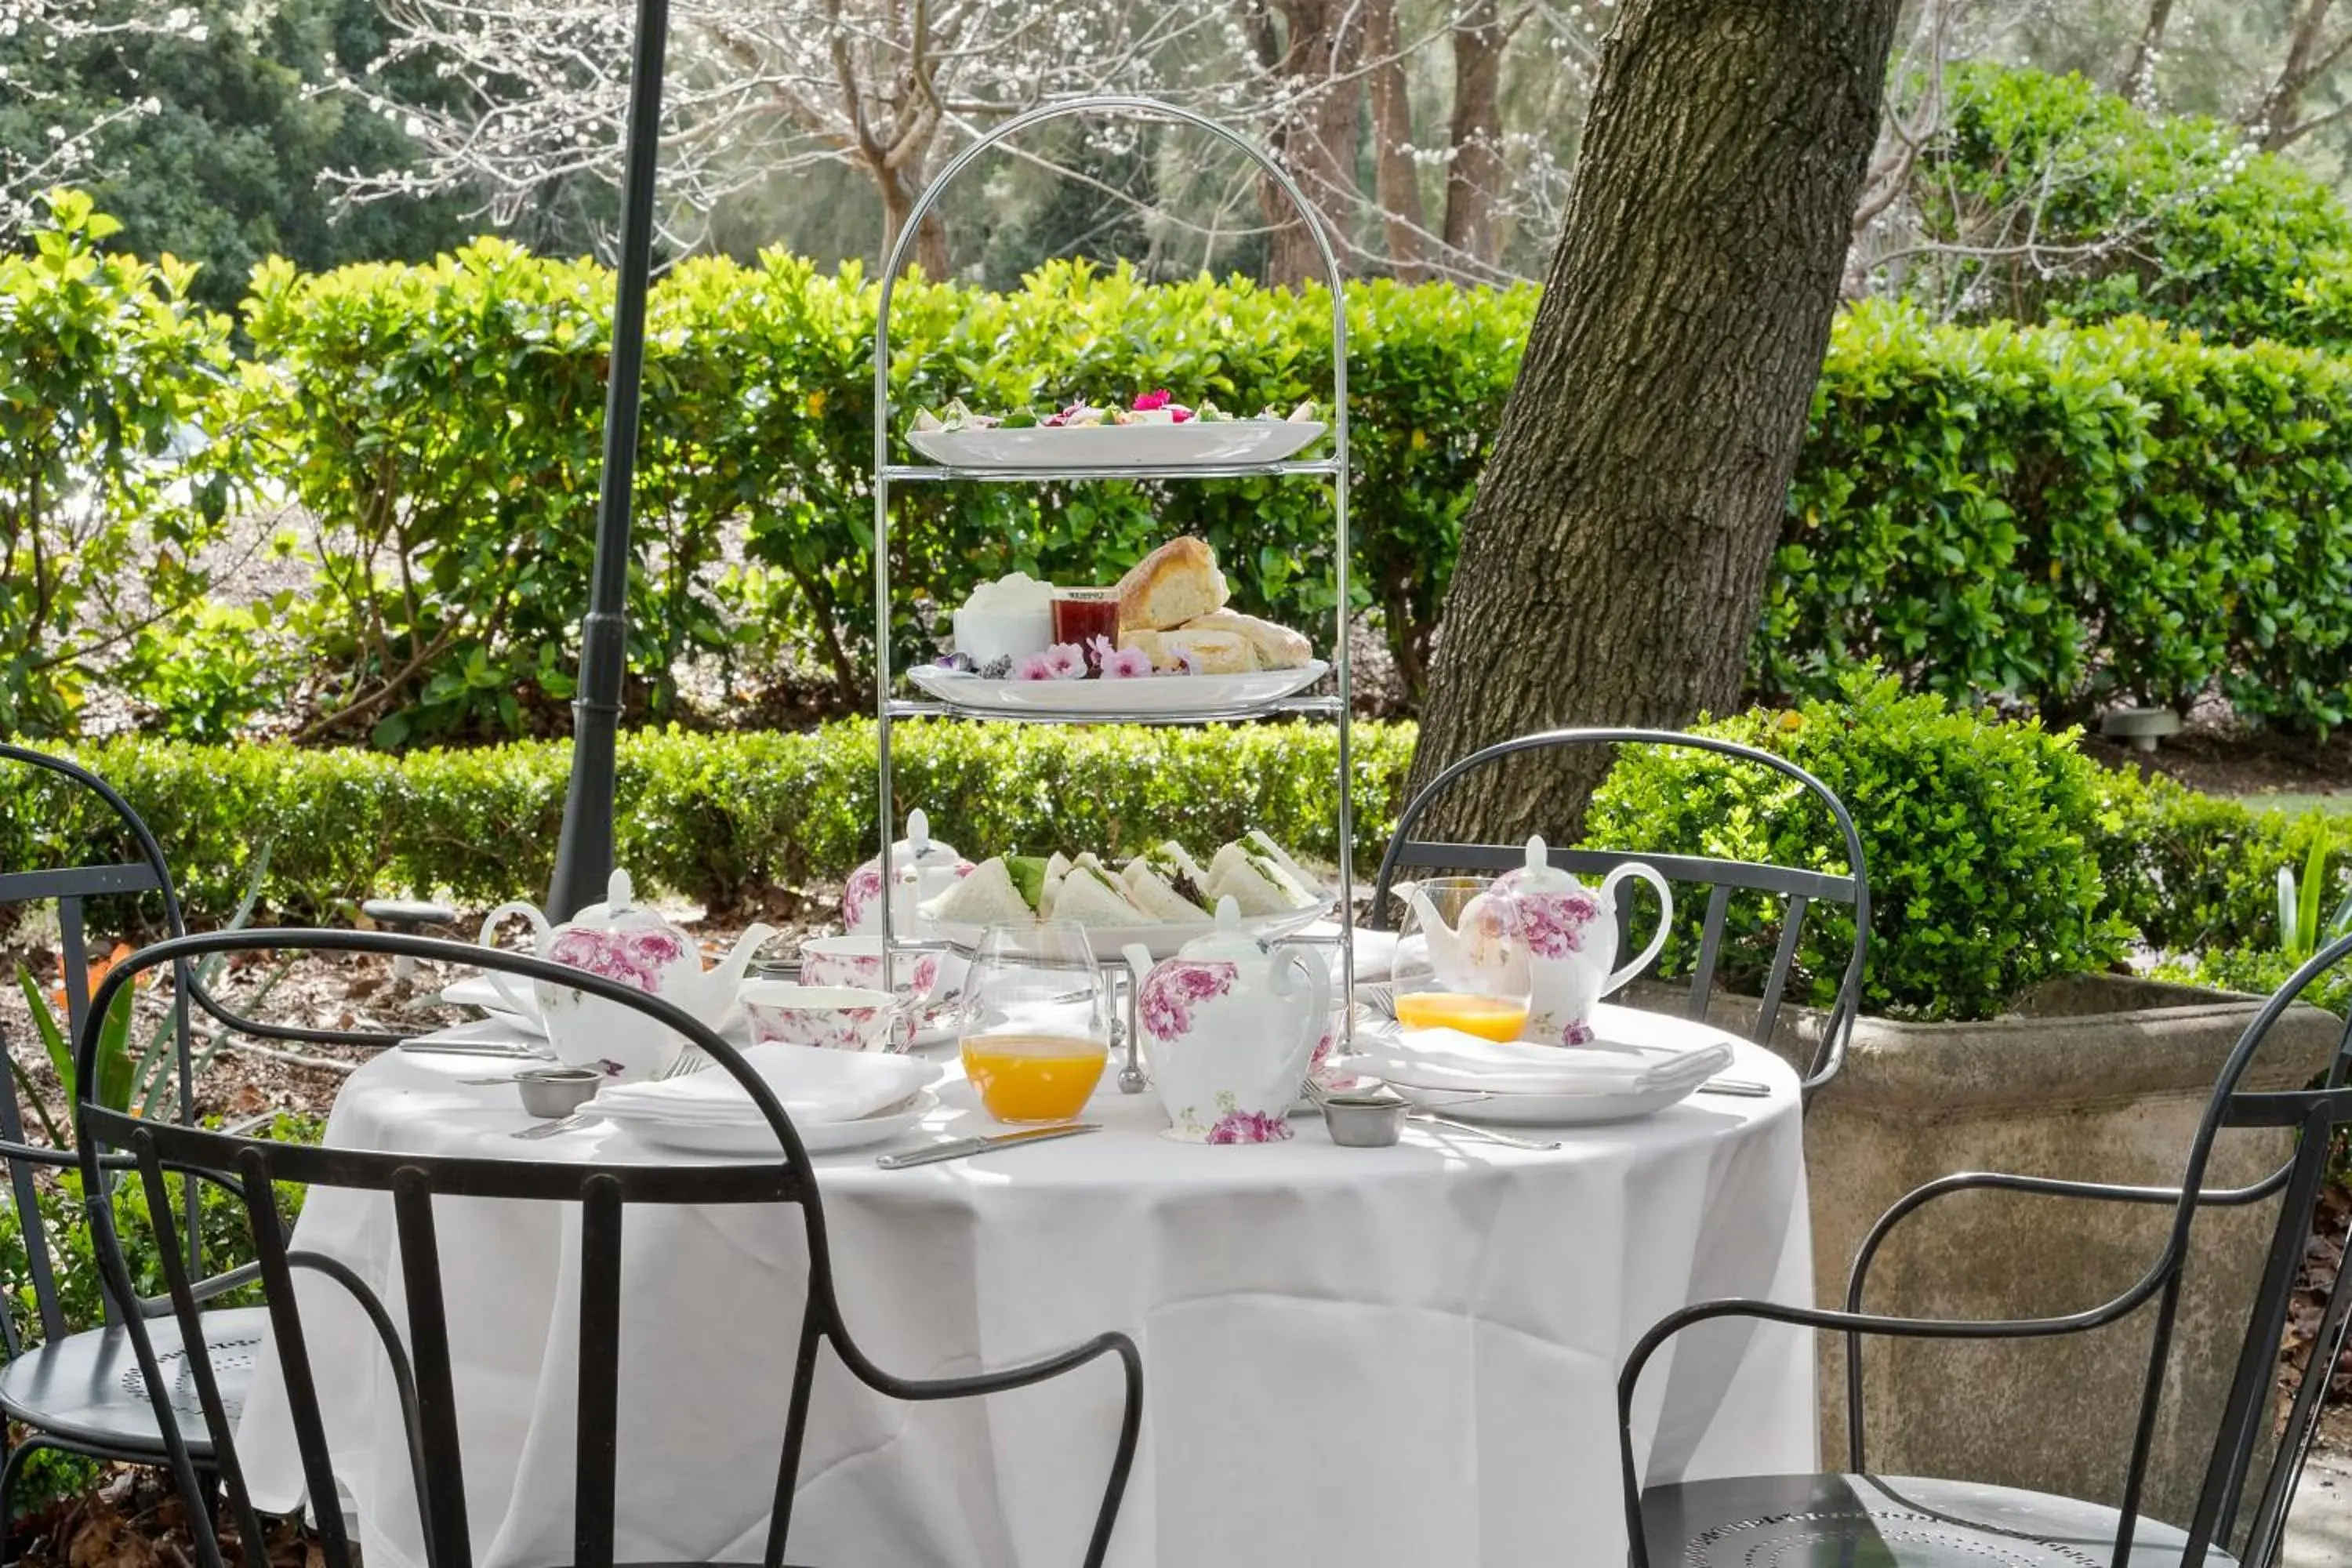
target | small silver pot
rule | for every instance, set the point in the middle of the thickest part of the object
(1371, 1121)
(556, 1092)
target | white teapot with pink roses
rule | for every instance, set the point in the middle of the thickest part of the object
(1571, 939)
(1229, 1029)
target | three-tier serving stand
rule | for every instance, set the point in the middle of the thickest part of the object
(1333, 469)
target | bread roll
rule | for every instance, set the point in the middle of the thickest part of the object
(1176, 582)
(1278, 648)
(1184, 651)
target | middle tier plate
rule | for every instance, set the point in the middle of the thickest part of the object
(1147, 696)
(1161, 941)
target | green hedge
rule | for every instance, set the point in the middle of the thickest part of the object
(712, 817)
(2071, 516)
(1980, 839)
(2057, 517)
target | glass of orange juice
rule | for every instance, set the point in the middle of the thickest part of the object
(1036, 1022)
(1461, 959)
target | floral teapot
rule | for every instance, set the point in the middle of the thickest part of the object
(924, 867)
(624, 941)
(1571, 939)
(1229, 1028)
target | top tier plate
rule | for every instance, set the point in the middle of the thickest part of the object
(1144, 697)
(1222, 443)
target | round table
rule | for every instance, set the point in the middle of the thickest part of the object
(1404, 1355)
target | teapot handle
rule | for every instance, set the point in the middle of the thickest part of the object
(505, 984)
(1665, 918)
(1318, 1004)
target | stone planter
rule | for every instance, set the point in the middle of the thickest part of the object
(2093, 1077)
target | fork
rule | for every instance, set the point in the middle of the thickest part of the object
(550, 1129)
(691, 1059)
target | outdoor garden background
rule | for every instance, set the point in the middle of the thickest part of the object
(293, 550)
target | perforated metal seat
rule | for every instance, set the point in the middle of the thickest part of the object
(88, 1386)
(1890, 1522)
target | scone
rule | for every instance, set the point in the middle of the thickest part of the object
(1278, 648)
(1185, 651)
(1176, 582)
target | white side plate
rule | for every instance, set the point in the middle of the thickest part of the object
(756, 1139)
(1144, 695)
(1202, 443)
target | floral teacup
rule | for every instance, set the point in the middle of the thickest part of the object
(858, 961)
(826, 1017)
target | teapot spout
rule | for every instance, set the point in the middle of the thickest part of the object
(720, 984)
(1138, 962)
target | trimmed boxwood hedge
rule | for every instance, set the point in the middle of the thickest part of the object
(710, 817)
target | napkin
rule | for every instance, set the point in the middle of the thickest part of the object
(1448, 1058)
(815, 1086)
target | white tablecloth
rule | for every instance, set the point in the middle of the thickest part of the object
(1355, 1357)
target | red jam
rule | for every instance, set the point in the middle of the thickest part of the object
(1082, 614)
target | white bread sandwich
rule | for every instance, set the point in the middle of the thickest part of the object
(1160, 897)
(987, 897)
(1091, 896)
(1256, 882)
(1174, 583)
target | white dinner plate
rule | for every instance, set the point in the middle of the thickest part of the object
(1162, 940)
(1196, 442)
(1138, 697)
(1544, 1110)
(754, 1139)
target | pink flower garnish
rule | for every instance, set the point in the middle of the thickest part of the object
(1144, 402)
(1178, 413)
(1034, 667)
(1189, 660)
(1125, 663)
(1064, 661)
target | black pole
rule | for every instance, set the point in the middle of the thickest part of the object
(583, 855)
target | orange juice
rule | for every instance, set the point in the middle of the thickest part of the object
(1034, 1078)
(1489, 1017)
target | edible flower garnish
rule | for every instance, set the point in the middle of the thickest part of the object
(1120, 663)
(1063, 661)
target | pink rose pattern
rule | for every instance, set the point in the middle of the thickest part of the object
(865, 883)
(1170, 992)
(632, 957)
(1249, 1127)
(1555, 922)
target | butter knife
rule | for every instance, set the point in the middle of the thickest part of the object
(964, 1146)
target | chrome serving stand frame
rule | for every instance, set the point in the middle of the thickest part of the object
(1334, 469)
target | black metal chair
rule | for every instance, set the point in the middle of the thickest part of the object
(1902, 1523)
(81, 1392)
(1800, 887)
(421, 1365)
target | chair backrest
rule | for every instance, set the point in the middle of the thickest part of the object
(2315, 1116)
(419, 1359)
(1795, 889)
(139, 872)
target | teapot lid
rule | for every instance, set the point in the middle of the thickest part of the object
(1538, 875)
(918, 846)
(1227, 940)
(620, 908)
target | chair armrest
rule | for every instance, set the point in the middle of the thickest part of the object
(205, 1289)
(60, 1159)
(229, 1017)
(1010, 1378)
(1921, 1196)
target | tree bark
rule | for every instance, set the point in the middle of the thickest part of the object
(1317, 140)
(2277, 120)
(1613, 565)
(899, 191)
(1474, 177)
(1396, 184)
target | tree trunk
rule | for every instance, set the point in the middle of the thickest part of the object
(899, 189)
(2139, 75)
(2276, 118)
(1613, 565)
(1396, 184)
(1474, 178)
(1316, 140)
